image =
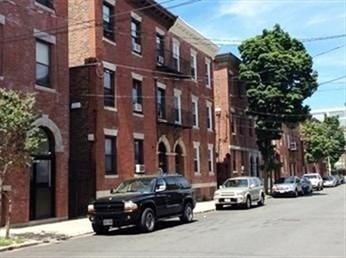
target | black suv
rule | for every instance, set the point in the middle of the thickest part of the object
(142, 201)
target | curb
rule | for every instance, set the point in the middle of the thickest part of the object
(15, 246)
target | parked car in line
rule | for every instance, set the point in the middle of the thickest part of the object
(316, 180)
(290, 185)
(240, 191)
(329, 181)
(142, 201)
(339, 179)
(306, 185)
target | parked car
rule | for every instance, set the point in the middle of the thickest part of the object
(339, 179)
(240, 191)
(329, 181)
(287, 186)
(306, 185)
(142, 201)
(316, 180)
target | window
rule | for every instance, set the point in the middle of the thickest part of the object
(110, 155)
(209, 116)
(139, 154)
(210, 158)
(194, 66)
(136, 36)
(160, 49)
(108, 21)
(161, 103)
(177, 106)
(42, 63)
(233, 126)
(176, 55)
(47, 3)
(137, 96)
(196, 158)
(208, 73)
(108, 88)
(195, 112)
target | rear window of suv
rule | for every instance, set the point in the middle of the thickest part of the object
(311, 176)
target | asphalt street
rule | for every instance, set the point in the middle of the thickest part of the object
(309, 226)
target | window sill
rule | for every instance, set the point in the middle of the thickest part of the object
(111, 176)
(112, 109)
(211, 173)
(113, 43)
(177, 123)
(208, 87)
(42, 88)
(195, 127)
(162, 120)
(2, 78)
(138, 114)
(198, 174)
(210, 130)
(136, 54)
(45, 8)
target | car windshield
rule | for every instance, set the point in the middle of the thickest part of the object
(305, 180)
(236, 183)
(285, 180)
(141, 185)
(310, 176)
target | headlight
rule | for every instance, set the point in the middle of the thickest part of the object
(130, 206)
(241, 193)
(91, 208)
(217, 193)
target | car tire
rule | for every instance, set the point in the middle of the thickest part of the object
(187, 215)
(296, 193)
(218, 207)
(147, 220)
(262, 200)
(247, 204)
(100, 230)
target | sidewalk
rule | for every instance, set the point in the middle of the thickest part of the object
(58, 231)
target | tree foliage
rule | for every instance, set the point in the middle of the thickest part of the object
(18, 136)
(278, 74)
(323, 139)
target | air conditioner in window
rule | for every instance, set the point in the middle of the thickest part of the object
(137, 107)
(140, 169)
(293, 146)
(160, 59)
(137, 48)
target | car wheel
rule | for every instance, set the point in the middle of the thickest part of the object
(261, 201)
(100, 230)
(218, 207)
(296, 194)
(248, 203)
(147, 220)
(187, 215)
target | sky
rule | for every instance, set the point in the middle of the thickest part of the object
(228, 22)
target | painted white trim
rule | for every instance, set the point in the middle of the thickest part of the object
(138, 115)
(196, 145)
(181, 143)
(137, 76)
(204, 185)
(136, 16)
(209, 72)
(110, 132)
(165, 141)
(111, 2)
(161, 85)
(113, 43)
(109, 66)
(211, 148)
(2, 19)
(45, 36)
(210, 115)
(111, 176)
(42, 88)
(235, 147)
(104, 193)
(160, 31)
(46, 8)
(136, 54)
(194, 100)
(139, 136)
(177, 92)
(112, 109)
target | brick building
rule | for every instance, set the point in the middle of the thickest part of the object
(141, 98)
(236, 147)
(34, 58)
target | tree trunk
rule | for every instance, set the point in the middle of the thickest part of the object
(8, 219)
(265, 176)
(1, 194)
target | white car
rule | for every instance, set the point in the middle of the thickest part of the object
(316, 180)
(240, 191)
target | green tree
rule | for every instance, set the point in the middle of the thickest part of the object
(18, 138)
(323, 140)
(278, 74)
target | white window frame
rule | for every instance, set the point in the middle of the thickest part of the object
(208, 64)
(177, 93)
(211, 158)
(194, 57)
(176, 48)
(196, 146)
(210, 115)
(195, 103)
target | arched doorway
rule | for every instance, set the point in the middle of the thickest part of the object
(42, 178)
(163, 157)
(179, 160)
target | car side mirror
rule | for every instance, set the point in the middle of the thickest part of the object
(252, 186)
(160, 188)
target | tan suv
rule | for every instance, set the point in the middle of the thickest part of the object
(241, 191)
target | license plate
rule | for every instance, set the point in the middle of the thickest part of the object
(107, 222)
(227, 200)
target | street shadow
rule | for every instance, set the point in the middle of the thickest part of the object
(239, 208)
(133, 230)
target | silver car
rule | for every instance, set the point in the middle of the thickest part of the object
(243, 191)
(290, 185)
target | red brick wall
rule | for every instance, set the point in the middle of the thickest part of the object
(21, 18)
